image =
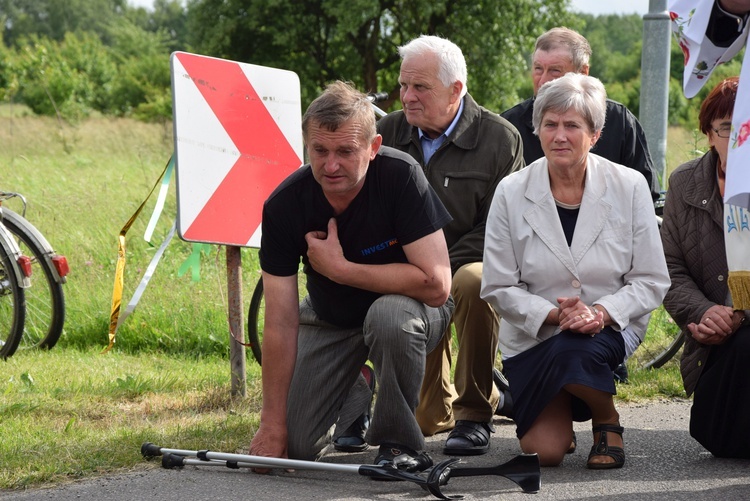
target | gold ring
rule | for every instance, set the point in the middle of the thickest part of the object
(580, 316)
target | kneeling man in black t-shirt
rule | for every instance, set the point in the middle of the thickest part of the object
(368, 228)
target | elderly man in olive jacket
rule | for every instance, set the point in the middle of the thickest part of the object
(465, 151)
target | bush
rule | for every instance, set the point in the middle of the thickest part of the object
(80, 75)
(67, 79)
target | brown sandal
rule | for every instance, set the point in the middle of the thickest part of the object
(602, 448)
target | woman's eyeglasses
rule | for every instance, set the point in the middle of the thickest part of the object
(723, 131)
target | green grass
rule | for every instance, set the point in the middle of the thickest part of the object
(74, 412)
(83, 183)
(683, 145)
(68, 413)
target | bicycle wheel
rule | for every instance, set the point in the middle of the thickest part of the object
(256, 315)
(45, 302)
(255, 318)
(663, 341)
(12, 307)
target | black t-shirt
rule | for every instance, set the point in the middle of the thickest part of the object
(395, 207)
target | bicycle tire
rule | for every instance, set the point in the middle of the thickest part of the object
(45, 305)
(662, 342)
(12, 307)
(256, 315)
(666, 355)
(255, 321)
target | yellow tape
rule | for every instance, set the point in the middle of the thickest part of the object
(120, 268)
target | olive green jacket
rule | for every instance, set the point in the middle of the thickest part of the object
(482, 149)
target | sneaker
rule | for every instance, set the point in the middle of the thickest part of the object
(353, 439)
(403, 458)
(506, 409)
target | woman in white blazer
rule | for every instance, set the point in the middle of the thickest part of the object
(573, 263)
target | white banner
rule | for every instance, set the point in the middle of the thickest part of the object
(689, 22)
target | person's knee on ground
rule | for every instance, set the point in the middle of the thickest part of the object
(551, 433)
(309, 450)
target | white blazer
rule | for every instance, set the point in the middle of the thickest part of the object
(615, 260)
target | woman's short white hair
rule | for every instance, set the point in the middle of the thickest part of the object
(582, 93)
(451, 61)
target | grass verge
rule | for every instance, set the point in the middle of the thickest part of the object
(67, 413)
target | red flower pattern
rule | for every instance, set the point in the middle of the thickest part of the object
(744, 133)
(685, 51)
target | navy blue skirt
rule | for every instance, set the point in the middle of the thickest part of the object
(538, 374)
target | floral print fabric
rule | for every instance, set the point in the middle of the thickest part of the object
(689, 22)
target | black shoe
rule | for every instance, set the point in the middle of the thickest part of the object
(502, 384)
(621, 373)
(468, 438)
(573, 445)
(353, 439)
(403, 458)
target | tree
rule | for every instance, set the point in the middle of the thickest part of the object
(54, 18)
(323, 40)
(168, 18)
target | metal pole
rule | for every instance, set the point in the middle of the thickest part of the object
(655, 83)
(236, 323)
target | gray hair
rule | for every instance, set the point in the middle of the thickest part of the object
(339, 103)
(582, 93)
(451, 61)
(565, 38)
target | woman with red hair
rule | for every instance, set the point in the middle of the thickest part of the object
(716, 356)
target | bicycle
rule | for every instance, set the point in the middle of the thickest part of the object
(45, 303)
(15, 269)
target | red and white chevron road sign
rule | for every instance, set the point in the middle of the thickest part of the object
(237, 132)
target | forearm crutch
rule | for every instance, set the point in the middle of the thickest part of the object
(523, 469)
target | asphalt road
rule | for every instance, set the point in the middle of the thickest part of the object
(663, 463)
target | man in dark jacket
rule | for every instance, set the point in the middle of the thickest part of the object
(560, 51)
(465, 151)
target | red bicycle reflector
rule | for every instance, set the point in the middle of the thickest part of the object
(25, 263)
(61, 265)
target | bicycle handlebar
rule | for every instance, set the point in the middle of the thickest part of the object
(377, 97)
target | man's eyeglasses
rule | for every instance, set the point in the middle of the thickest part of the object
(723, 131)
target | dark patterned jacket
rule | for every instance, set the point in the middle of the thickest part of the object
(693, 238)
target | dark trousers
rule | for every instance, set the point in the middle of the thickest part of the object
(720, 416)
